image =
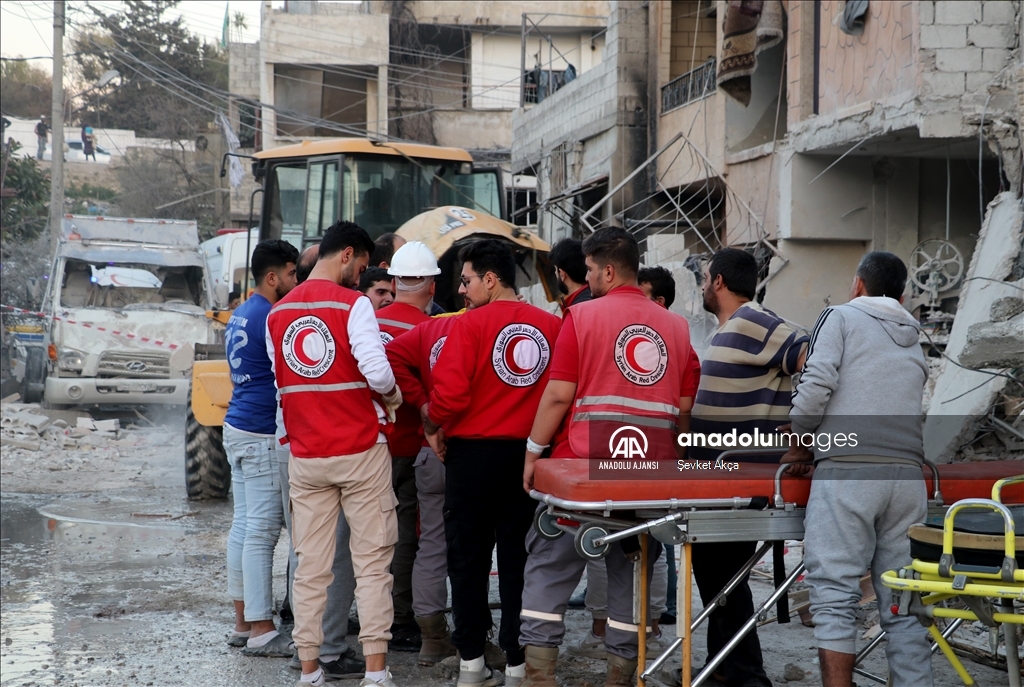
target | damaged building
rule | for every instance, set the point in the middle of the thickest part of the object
(810, 133)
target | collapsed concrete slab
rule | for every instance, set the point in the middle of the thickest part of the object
(964, 397)
(995, 344)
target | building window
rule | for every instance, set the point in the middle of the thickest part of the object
(539, 83)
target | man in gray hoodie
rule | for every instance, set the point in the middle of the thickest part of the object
(860, 397)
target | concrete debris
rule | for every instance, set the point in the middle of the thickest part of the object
(1005, 308)
(99, 425)
(794, 672)
(963, 398)
(30, 427)
(995, 344)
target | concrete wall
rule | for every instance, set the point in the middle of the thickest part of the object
(574, 13)
(693, 37)
(474, 129)
(819, 274)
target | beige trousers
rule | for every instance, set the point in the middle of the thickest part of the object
(359, 484)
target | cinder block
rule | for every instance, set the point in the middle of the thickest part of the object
(991, 36)
(944, 36)
(998, 12)
(944, 125)
(958, 60)
(978, 81)
(994, 59)
(957, 12)
(942, 84)
(926, 12)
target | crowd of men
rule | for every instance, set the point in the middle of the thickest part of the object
(406, 443)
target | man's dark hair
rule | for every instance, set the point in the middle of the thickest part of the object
(615, 246)
(269, 255)
(738, 269)
(342, 235)
(491, 255)
(234, 294)
(371, 276)
(662, 283)
(567, 255)
(305, 265)
(883, 274)
(383, 248)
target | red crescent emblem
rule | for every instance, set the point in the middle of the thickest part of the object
(510, 354)
(299, 349)
(631, 354)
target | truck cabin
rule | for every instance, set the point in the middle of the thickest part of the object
(125, 286)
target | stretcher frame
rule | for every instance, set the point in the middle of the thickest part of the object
(921, 585)
(690, 521)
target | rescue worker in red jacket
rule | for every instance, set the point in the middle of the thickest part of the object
(620, 362)
(412, 356)
(329, 363)
(413, 268)
(487, 384)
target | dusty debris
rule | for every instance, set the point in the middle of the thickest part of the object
(794, 672)
(995, 344)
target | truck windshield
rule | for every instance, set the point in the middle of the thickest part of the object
(128, 285)
(379, 193)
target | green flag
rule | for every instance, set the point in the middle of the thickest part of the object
(224, 31)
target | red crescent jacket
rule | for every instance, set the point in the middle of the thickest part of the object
(406, 437)
(633, 359)
(317, 376)
(413, 355)
(492, 372)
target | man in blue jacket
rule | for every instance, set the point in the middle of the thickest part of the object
(249, 429)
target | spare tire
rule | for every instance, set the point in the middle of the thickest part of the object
(207, 472)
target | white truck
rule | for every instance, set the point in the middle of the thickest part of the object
(127, 300)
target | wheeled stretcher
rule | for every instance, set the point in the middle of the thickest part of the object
(757, 502)
(975, 557)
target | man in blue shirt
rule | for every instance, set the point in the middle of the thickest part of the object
(249, 429)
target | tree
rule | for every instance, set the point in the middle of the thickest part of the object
(169, 76)
(27, 89)
(24, 214)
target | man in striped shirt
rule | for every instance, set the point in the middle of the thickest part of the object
(745, 383)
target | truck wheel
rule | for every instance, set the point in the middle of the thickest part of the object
(35, 375)
(207, 472)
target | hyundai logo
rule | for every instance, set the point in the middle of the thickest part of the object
(136, 366)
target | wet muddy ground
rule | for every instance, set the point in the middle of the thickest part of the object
(111, 577)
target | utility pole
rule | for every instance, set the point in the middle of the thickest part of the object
(57, 126)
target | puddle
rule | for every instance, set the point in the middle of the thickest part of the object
(102, 569)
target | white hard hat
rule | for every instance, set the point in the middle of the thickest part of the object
(414, 259)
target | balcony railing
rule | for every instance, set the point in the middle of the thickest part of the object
(693, 85)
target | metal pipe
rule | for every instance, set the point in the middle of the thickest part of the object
(639, 529)
(719, 600)
(248, 243)
(670, 504)
(1010, 638)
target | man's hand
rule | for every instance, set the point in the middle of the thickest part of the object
(528, 468)
(436, 439)
(800, 460)
(392, 400)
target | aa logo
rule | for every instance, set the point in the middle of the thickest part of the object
(628, 442)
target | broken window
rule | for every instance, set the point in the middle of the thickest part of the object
(321, 101)
(128, 286)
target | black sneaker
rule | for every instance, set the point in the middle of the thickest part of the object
(667, 619)
(405, 637)
(348, 666)
(580, 600)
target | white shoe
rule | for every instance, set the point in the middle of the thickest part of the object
(388, 682)
(482, 678)
(590, 646)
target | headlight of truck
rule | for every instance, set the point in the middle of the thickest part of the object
(70, 359)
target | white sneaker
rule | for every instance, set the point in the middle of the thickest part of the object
(656, 645)
(590, 646)
(388, 682)
(483, 678)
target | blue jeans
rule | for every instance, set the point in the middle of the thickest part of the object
(258, 518)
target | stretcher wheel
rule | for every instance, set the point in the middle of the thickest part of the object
(546, 525)
(585, 545)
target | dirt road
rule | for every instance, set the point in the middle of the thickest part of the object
(110, 576)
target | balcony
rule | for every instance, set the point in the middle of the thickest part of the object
(693, 85)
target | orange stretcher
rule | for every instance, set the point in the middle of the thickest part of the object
(757, 502)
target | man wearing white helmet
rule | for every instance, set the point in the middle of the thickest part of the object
(413, 267)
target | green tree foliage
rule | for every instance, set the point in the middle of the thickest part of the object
(27, 89)
(24, 214)
(166, 72)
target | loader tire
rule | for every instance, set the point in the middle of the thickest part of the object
(207, 472)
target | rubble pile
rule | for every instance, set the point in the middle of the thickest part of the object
(29, 427)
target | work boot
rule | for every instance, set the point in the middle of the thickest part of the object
(620, 672)
(540, 666)
(437, 640)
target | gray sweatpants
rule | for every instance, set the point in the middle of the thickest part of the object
(857, 518)
(553, 570)
(342, 590)
(430, 569)
(597, 588)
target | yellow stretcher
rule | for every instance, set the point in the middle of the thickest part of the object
(973, 562)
